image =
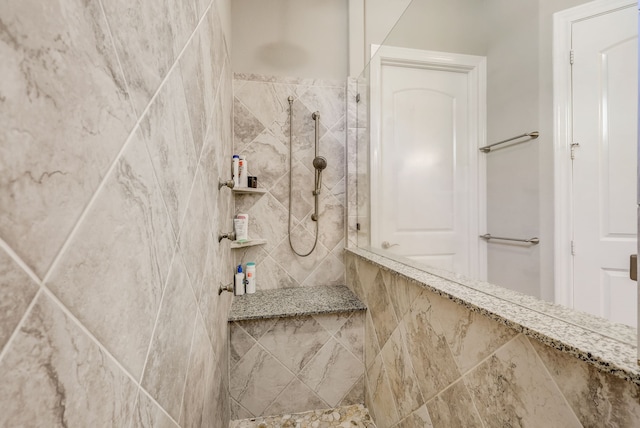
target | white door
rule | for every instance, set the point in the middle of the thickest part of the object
(604, 75)
(425, 196)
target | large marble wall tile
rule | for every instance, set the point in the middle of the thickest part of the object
(381, 395)
(371, 347)
(381, 309)
(193, 81)
(167, 133)
(299, 267)
(432, 359)
(200, 362)
(144, 38)
(330, 101)
(330, 272)
(268, 159)
(64, 115)
(471, 336)
(596, 398)
(351, 335)
(169, 349)
(297, 397)
(332, 372)
(302, 186)
(331, 227)
(147, 414)
(513, 387)
(295, 341)
(355, 395)
(257, 380)
(17, 290)
(112, 273)
(419, 418)
(55, 375)
(195, 237)
(402, 378)
(217, 402)
(268, 220)
(214, 55)
(246, 127)
(401, 292)
(266, 101)
(455, 408)
(272, 275)
(240, 342)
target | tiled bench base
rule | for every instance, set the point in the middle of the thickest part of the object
(291, 364)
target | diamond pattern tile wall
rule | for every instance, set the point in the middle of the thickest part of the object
(431, 362)
(296, 364)
(261, 132)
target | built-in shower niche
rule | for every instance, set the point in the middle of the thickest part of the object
(294, 350)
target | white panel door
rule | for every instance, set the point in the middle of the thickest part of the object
(423, 195)
(604, 77)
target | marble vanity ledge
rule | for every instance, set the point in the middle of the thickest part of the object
(294, 301)
(607, 354)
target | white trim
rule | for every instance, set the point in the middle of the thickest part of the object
(475, 67)
(563, 135)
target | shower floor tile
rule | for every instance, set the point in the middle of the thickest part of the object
(341, 417)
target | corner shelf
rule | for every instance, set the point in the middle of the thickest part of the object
(249, 243)
(247, 190)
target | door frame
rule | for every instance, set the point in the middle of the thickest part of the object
(475, 67)
(563, 137)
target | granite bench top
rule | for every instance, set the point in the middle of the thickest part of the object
(296, 301)
(606, 345)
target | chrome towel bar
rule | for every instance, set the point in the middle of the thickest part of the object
(533, 135)
(533, 241)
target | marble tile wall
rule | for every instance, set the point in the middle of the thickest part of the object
(290, 365)
(115, 119)
(432, 362)
(261, 132)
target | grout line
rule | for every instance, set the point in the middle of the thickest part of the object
(189, 361)
(115, 50)
(153, 400)
(136, 403)
(553, 379)
(155, 323)
(21, 263)
(18, 327)
(90, 335)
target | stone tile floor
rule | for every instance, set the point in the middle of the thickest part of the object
(356, 416)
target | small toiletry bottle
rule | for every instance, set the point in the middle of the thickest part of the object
(241, 226)
(239, 282)
(251, 278)
(244, 173)
(236, 171)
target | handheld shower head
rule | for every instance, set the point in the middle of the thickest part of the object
(319, 163)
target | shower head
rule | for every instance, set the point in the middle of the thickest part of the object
(319, 163)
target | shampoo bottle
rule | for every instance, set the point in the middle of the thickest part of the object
(251, 278)
(239, 282)
(244, 173)
(236, 171)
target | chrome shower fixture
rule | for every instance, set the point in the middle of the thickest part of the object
(319, 163)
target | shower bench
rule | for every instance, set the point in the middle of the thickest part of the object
(294, 350)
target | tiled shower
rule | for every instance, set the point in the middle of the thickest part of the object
(117, 121)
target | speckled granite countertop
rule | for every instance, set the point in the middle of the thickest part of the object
(289, 302)
(609, 346)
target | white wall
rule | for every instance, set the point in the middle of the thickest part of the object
(301, 38)
(512, 170)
